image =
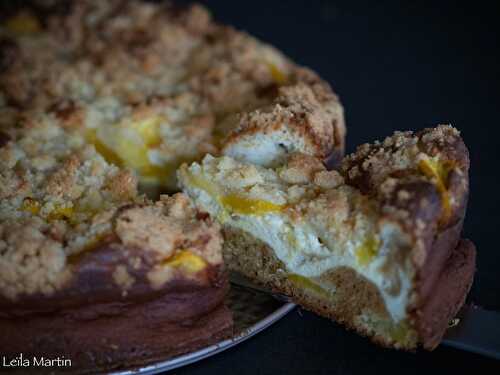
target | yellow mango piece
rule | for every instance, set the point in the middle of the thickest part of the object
(31, 205)
(367, 250)
(107, 153)
(58, 213)
(149, 130)
(399, 333)
(305, 283)
(157, 172)
(133, 156)
(247, 206)
(278, 76)
(23, 23)
(128, 153)
(186, 261)
(438, 171)
(203, 184)
(234, 202)
(61, 213)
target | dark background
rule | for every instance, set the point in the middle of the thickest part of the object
(395, 66)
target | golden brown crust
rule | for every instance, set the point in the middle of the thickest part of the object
(424, 202)
(112, 263)
(451, 291)
(381, 169)
(303, 117)
(166, 226)
(113, 64)
(60, 199)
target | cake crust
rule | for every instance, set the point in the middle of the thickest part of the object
(304, 117)
(163, 79)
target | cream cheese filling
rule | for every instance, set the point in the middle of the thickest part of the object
(297, 245)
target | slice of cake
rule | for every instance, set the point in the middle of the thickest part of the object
(374, 245)
(156, 85)
(91, 271)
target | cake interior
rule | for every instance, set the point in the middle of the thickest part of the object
(289, 229)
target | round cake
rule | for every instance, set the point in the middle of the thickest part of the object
(105, 106)
(100, 102)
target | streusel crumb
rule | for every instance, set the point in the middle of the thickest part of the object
(153, 85)
(60, 198)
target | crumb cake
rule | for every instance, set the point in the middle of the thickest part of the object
(92, 271)
(375, 245)
(101, 101)
(155, 85)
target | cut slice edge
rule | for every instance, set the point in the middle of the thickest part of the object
(376, 247)
(356, 303)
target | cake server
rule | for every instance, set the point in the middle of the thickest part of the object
(477, 330)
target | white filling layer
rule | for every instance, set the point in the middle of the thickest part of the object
(265, 149)
(299, 248)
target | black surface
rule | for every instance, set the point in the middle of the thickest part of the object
(396, 66)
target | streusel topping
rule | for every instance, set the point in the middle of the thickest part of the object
(165, 82)
(98, 95)
(60, 198)
(412, 179)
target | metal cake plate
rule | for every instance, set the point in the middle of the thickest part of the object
(253, 311)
